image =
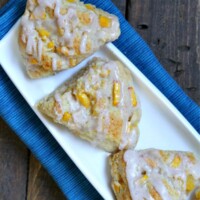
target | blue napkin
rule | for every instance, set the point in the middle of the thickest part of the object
(19, 116)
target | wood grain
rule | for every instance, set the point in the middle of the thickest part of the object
(121, 4)
(171, 28)
(40, 184)
(3, 2)
(13, 165)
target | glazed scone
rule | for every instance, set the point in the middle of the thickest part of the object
(99, 105)
(58, 34)
(155, 174)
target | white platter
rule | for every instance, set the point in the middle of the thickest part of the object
(162, 126)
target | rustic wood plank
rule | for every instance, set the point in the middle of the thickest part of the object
(40, 184)
(121, 4)
(171, 28)
(13, 165)
(3, 2)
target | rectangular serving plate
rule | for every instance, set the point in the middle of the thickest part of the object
(162, 126)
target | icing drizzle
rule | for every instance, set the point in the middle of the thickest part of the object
(66, 21)
(137, 166)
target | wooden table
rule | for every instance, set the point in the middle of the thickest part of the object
(172, 30)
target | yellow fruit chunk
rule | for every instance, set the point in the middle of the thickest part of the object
(66, 117)
(133, 96)
(89, 6)
(197, 194)
(105, 73)
(170, 189)
(43, 33)
(144, 178)
(116, 187)
(50, 12)
(59, 50)
(43, 16)
(165, 155)
(85, 18)
(50, 45)
(33, 61)
(83, 99)
(191, 157)
(128, 128)
(71, 1)
(116, 93)
(190, 184)
(104, 22)
(176, 162)
(72, 62)
(61, 31)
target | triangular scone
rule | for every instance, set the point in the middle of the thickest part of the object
(155, 175)
(99, 105)
(58, 34)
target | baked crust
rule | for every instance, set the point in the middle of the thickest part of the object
(58, 34)
(118, 172)
(155, 174)
(98, 105)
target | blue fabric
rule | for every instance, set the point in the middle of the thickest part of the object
(19, 116)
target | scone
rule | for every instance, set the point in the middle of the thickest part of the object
(155, 174)
(99, 105)
(58, 34)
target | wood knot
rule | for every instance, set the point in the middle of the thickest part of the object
(142, 26)
(191, 89)
(184, 48)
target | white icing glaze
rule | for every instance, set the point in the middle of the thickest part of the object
(71, 52)
(98, 119)
(80, 117)
(160, 187)
(29, 35)
(103, 120)
(69, 23)
(31, 46)
(129, 139)
(31, 5)
(94, 21)
(66, 22)
(114, 71)
(57, 9)
(136, 164)
(91, 79)
(58, 99)
(24, 38)
(40, 46)
(38, 11)
(73, 104)
(47, 3)
(125, 105)
(54, 63)
(114, 27)
(83, 43)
